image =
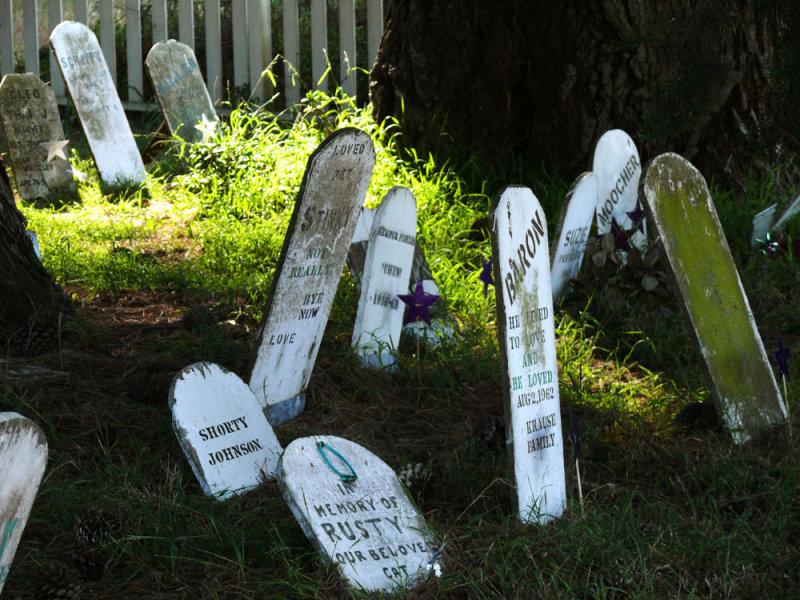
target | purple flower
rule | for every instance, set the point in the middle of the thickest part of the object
(486, 275)
(418, 304)
(781, 356)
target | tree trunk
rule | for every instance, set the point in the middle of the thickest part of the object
(547, 79)
(32, 306)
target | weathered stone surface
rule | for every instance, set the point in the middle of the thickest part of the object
(368, 527)
(180, 89)
(387, 268)
(308, 272)
(680, 208)
(35, 138)
(222, 429)
(97, 103)
(572, 232)
(23, 458)
(526, 334)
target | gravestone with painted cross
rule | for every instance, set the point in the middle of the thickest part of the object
(97, 104)
(572, 232)
(180, 89)
(355, 511)
(527, 340)
(222, 429)
(35, 138)
(23, 458)
(617, 167)
(310, 265)
(680, 209)
(387, 267)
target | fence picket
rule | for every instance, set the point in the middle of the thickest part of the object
(107, 35)
(54, 16)
(374, 29)
(6, 37)
(347, 43)
(30, 35)
(291, 51)
(259, 35)
(319, 43)
(133, 43)
(80, 11)
(186, 22)
(213, 50)
(240, 46)
(160, 33)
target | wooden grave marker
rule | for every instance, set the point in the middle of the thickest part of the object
(311, 263)
(680, 208)
(526, 333)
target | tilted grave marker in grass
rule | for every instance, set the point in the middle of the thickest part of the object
(355, 511)
(680, 208)
(311, 263)
(180, 89)
(617, 167)
(387, 268)
(527, 339)
(571, 233)
(790, 212)
(35, 138)
(23, 458)
(97, 103)
(222, 429)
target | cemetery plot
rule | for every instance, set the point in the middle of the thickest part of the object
(97, 104)
(180, 89)
(526, 333)
(222, 430)
(23, 458)
(355, 511)
(387, 267)
(572, 232)
(680, 208)
(617, 167)
(308, 272)
(35, 138)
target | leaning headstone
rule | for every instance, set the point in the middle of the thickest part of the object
(357, 253)
(180, 89)
(23, 458)
(355, 511)
(97, 104)
(387, 268)
(616, 164)
(762, 223)
(790, 212)
(308, 271)
(572, 232)
(222, 429)
(527, 339)
(680, 208)
(32, 129)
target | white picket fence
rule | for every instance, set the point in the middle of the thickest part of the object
(251, 40)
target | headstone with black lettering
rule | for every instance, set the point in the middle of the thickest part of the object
(180, 89)
(680, 209)
(367, 525)
(222, 429)
(617, 167)
(572, 232)
(23, 458)
(311, 263)
(387, 268)
(527, 340)
(97, 104)
(35, 138)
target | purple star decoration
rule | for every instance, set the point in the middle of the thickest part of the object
(574, 433)
(418, 304)
(486, 275)
(781, 356)
(620, 236)
(637, 217)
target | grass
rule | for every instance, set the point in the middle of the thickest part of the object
(179, 274)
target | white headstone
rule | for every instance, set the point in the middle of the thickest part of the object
(97, 104)
(762, 223)
(23, 458)
(572, 233)
(526, 333)
(791, 211)
(616, 165)
(368, 527)
(180, 89)
(222, 429)
(311, 263)
(387, 268)
(35, 138)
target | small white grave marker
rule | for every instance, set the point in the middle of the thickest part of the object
(367, 526)
(572, 232)
(32, 128)
(762, 224)
(308, 272)
(222, 429)
(527, 337)
(387, 269)
(23, 458)
(97, 103)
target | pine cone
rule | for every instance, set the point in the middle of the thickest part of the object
(58, 581)
(94, 533)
